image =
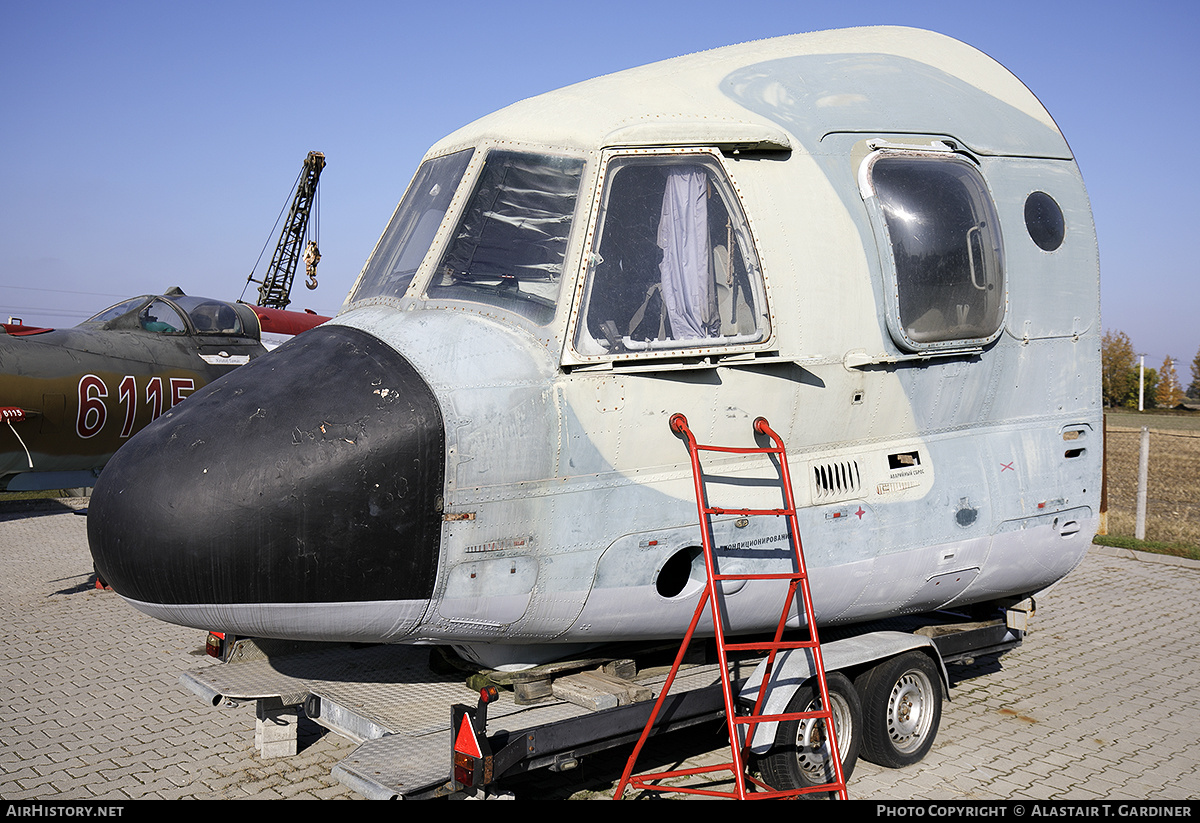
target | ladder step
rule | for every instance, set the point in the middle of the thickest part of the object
(766, 645)
(779, 512)
(775, 576)
(755, 719)
(709, 447)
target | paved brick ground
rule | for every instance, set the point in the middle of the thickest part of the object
(1097, 704)
(92, 706)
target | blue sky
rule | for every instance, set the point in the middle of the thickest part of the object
(151, 144)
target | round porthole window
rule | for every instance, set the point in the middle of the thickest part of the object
(1044, 221)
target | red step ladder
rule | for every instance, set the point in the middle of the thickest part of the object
(797, 586)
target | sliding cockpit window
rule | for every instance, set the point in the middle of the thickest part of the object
(410, 233)
(672, 265)
(510, 244)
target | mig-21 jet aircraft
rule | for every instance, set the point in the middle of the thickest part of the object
(70, 397)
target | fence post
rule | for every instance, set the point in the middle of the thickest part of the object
(1139, 530)
(1104, 482)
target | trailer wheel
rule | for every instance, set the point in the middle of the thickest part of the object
(902, 708)
(801, 754)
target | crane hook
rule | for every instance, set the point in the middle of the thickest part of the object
(312, 256)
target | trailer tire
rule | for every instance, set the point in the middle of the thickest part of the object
(902, 709)
(793, 765)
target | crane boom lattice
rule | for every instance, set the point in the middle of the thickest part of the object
(276, 289)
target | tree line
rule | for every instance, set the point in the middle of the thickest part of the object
(1121, 377)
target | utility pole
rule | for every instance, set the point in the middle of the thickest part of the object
(1141, 382)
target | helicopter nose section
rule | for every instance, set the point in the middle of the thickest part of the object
(298, 496)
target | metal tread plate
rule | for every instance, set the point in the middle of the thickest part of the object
(415, 758)
(388, 699)
(293, 677)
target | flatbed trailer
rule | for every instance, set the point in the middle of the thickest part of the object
(402, 704)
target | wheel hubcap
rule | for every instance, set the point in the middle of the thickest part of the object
(813, 743)
(908, 715)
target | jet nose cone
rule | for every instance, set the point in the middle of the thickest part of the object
(309, 476)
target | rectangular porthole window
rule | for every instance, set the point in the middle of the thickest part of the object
(942, 235)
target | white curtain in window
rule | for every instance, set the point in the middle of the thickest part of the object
(683, 237)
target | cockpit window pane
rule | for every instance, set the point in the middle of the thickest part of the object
(113, 312)
(510, 244)
(410, 233)
(673, 266)
(161, 317)
(946, 248)
(210, 316)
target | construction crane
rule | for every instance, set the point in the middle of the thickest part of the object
(275, 288)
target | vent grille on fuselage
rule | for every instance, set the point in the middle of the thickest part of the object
(836, 480)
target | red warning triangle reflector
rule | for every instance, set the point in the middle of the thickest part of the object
(466, 742)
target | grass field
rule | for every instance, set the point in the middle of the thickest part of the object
(1173, 488)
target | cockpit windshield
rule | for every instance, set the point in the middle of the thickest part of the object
(113, 312)
(511, 242)
(408, 236)
(509, 245)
